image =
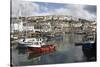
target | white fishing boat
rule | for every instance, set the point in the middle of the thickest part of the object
(31, 42)
(36, 44)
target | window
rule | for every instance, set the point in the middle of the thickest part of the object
(36, 43)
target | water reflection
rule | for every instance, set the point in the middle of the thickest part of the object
(66, 52)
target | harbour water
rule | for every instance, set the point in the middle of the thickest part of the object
(66, 52)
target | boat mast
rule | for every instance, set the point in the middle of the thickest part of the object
(26, 22)
(18, 23)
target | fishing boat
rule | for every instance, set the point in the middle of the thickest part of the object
(89, 46)
(37, 45)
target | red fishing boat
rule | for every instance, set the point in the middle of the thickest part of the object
(37, 45)
(45, 48)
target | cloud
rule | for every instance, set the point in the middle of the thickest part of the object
(76, 11)
(29, 8)
(23, 8)
(91, 9)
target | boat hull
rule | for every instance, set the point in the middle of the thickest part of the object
(47, 48)
(89, 49)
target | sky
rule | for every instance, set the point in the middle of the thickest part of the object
(30, 8)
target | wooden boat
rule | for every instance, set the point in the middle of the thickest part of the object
(37, 45)
(89, 50)
(45, 48)
(89, 47)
